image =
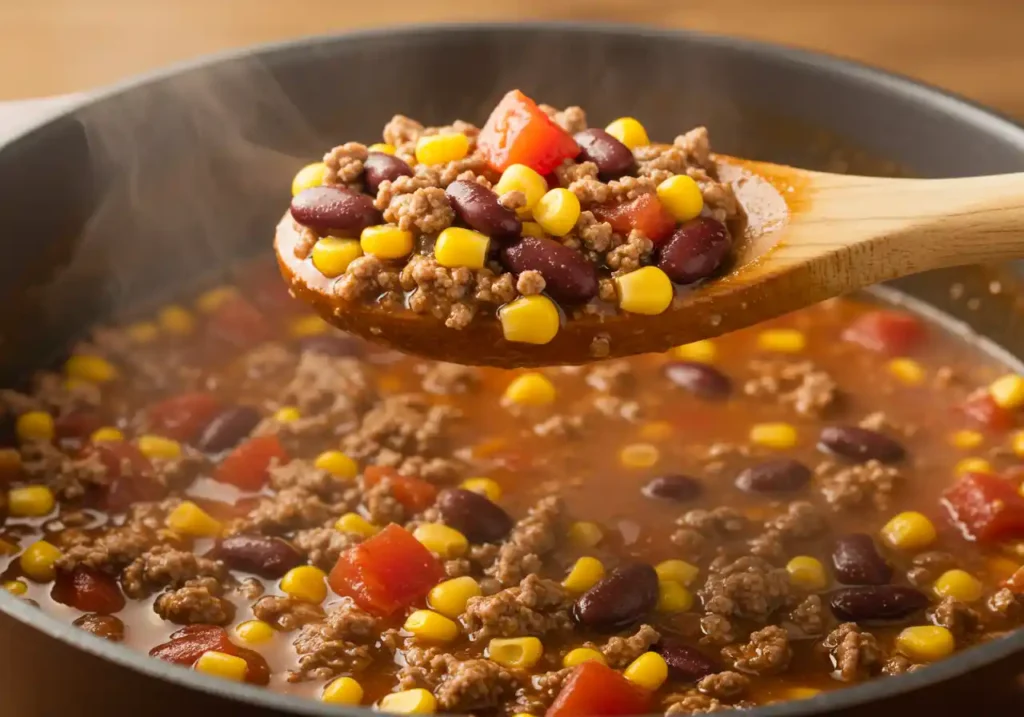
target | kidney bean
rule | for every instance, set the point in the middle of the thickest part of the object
(677, 488)
(334, 210)
(259, 554)
(857, 561)
(228, 428)
(106, 626)
(568, 276)
(478, 207)
(612, 157)
(876, 602)
(618, 600)
(379, 167)
(684, 662)
(333, 345)
(699, 379)
(473, 515)
(695, 251)
(859, 444)
(774, 476)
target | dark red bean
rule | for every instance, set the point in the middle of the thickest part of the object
(699, 379)
(781, 475)
(612, 157)
(876, 602)
(857, 562)
(678, 488)
(685, 663)
(106, 626)
(568, 276)
(265, 556)
(859, 444)
(333, 345)
(618, 600)
(479, 208)
(473, 515)
(334, 210)
(228, 428)
(379, 167)
(695, 251)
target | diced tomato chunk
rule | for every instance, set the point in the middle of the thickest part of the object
(985, 507)
(388, 572)
(130, 474)
(887, 331)
(239, 323)
(88, 590)
(188, 644)
(183, 417)
(595, 689)
(518, 132)
(981, 408)
(247, 466)
(77, 425)
(645, 214)
(413, 493)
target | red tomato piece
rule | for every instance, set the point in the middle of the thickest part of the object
(887, 331)
(985, 507)
(247, 466)
(596, 689)
(415, 494)
(388, 572)
(239, 323)
(88, 590)
(130, 473)
(981, 408)
(645, 214)
(518, 132)
(77, 425)
(188, 644)
(183, 417)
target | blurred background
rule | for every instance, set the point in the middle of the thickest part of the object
(50, 47)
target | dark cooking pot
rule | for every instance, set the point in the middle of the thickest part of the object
(160, 183)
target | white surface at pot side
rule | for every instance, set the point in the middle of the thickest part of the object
(17, 115)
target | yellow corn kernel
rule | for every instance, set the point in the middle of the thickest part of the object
(355, 523)
(143, 332)
(530, 389)
(807, 573)
(584, 534)
(799, 693)
(629, 131)
(532, 229)
(450, 597)
(306, 583)
(582, 654)
(332, 255)
(966, 439)
(382, 147)
(703, 351)
(960, 585)
(487, 487)
(312, 175)
(998, 568)
(287, 414)
(94, 369)
(639, 455)
(311, 325)
(461, 247)
(773, 435)
(925, 643)
(223, 665)
(442, 148)
(647, 290)
(530, 320)
(209, 301)
(908, 531)
(788, 341)
(648, 671)
(585, 574)
(189, 519)
(176, 320)
(1008, 391)
(907, 370)
(431, 626)
(35, 426)
(656, 431)
(673, 597)
(515, 652)
(417, 701)
(1017, 444)
(520, 178)
(254, 632)
(337, 464)
(678, 571)
(342, 691)
(442, 540)
(30, 501)
(972, 465)
(15, 587)
(557, 211)
(385, 241)
(107, 434)
(158, 447)
(38, 560)
(681, 196)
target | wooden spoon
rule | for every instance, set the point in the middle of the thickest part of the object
(809, 236)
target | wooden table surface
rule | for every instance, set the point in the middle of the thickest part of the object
(972, 47)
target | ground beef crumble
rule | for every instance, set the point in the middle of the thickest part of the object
(766, 653)
(164, 566)
(855, 654)
(285, 613)
(725, 686)
(955, 616)
(534, 607)
(197, 603)
(530, 540)
(342, 642)
(802, 386)
(847, 487)
(620, 651)
(749, 588)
